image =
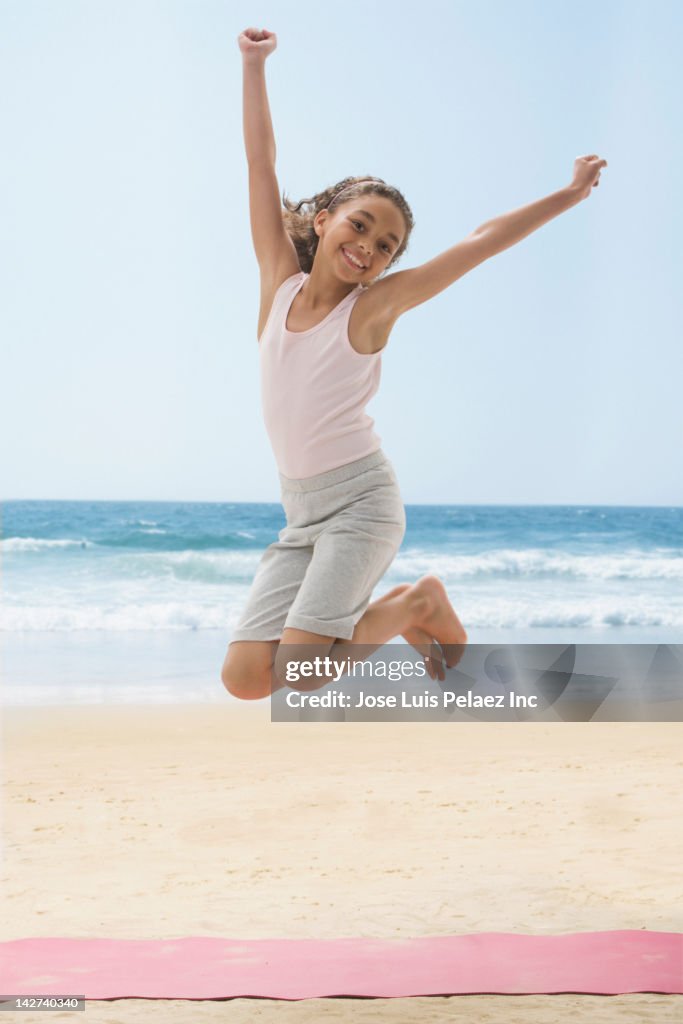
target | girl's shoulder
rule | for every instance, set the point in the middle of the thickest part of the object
(270, 291)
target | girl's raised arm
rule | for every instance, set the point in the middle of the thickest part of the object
(406, 289)
(274, 249)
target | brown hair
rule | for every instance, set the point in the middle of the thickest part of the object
(299, 224)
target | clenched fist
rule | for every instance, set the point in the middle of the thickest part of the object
(587, 173)
(256, 43)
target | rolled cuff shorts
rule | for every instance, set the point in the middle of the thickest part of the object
(343, 530)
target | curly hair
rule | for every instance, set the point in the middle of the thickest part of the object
(299, 223)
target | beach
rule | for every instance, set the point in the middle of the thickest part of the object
(127, 821)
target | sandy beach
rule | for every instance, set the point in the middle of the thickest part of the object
(168, 821)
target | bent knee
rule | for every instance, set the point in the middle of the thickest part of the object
(246, 683)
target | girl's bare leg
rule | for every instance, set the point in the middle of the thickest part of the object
(421, 612)
(423, 643)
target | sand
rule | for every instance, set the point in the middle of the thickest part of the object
(168, 821)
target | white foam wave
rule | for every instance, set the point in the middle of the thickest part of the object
(150, 617)
(480, 611)
(628, 565)
(582, 612)
(200, 566)
(220, 565)
(39, 544)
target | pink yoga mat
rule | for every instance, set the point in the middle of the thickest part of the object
(605, 963)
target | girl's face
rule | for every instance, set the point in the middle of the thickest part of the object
(360, 238)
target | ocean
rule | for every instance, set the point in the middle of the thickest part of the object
(106, 601)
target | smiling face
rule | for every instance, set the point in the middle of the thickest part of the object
(360, 237)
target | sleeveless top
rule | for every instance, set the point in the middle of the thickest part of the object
(314, 388)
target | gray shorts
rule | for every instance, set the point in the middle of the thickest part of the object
(343, 530)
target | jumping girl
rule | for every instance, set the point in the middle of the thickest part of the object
(327, 311)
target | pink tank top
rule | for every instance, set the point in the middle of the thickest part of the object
(314, 388)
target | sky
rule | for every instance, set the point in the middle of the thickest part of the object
(550, 374)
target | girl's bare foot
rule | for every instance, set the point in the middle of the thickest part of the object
(423, 643)
(440, 620)
(429, 648)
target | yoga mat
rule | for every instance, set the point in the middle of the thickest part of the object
(606, 963)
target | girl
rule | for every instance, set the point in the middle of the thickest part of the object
(327, 310)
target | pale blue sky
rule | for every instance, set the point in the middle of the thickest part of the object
(129, 290)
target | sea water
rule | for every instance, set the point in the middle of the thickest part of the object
(135, 601)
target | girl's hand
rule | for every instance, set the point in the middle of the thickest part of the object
(587, 174)
(256, 43)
